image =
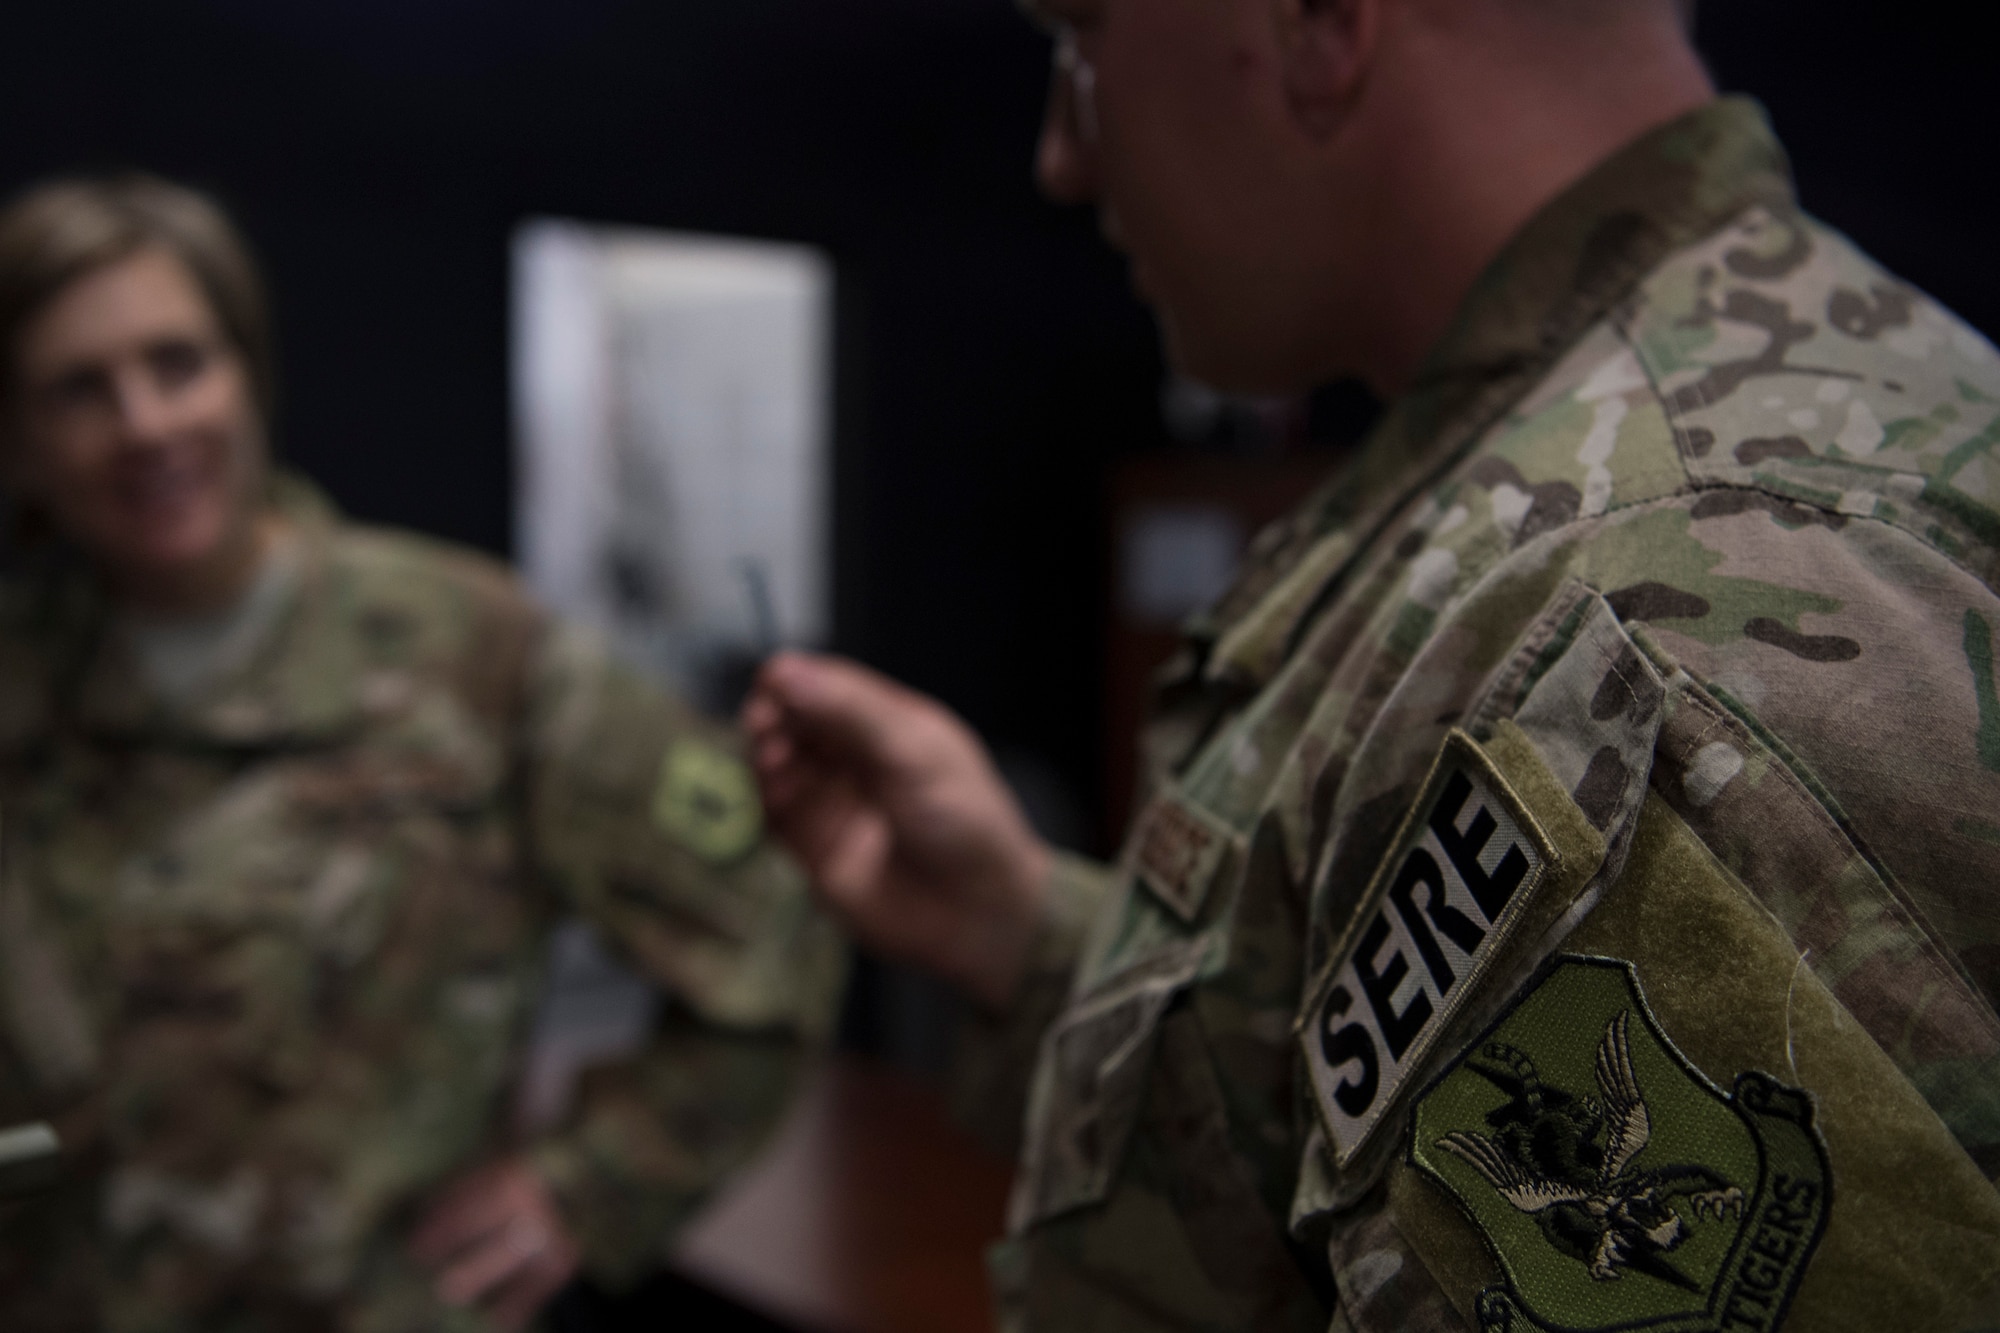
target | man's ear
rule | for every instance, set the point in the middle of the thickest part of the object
(1325, 48)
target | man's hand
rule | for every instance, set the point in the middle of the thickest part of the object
(896, 812)
(495, 1241)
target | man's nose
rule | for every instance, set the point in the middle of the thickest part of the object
(1065, 164)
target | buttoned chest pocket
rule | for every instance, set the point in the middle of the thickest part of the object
(1092, 1077)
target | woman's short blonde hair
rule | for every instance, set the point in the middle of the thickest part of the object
(57, 232)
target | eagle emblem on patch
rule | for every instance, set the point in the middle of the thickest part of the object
(1617, 1187)
(1461, 869)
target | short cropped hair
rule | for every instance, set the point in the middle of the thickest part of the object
(65, 229)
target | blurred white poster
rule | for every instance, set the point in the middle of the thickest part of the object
(673, 405)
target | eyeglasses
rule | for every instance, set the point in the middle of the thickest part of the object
(1080, 76)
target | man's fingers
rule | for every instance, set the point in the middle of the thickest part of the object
(772, 754)
(844, 708)
(841, 840)
(797, 791)
(761, 713)
(852, 864)
(814, 823)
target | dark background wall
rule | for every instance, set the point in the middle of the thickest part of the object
(380, 151)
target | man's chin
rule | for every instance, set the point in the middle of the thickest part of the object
(1232, 364)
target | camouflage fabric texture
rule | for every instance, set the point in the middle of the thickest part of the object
(266, 958)
(1676, 569)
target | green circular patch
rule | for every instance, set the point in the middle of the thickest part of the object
(707, 802)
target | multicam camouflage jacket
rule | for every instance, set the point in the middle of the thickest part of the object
(1567, 894)
(266, 957)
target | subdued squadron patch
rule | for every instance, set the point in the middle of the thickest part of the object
(707, 802)
(1617, 1187)
(1463, 866)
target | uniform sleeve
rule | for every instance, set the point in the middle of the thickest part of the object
(645, 820)
(1763, 986)
(996, 1053)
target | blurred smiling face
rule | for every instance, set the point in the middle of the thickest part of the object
(137, 432)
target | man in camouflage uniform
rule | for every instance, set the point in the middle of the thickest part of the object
(267, 952)
(1563, 897)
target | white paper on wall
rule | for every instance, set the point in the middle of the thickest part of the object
(673, 405)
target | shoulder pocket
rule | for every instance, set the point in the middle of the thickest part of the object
(1089, 1083)
(1759, 813)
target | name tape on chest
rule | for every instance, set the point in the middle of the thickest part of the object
(1180, 852)
(1463, 866)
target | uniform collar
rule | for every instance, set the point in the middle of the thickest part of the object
(296, 687)
(1564, 272)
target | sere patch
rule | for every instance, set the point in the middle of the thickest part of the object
(1617, 1187)
(1457, 877)
(707, 802)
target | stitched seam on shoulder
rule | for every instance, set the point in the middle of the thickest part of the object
(1895, 524)
(1697, 483)
(1703, 488)
(1570, 527)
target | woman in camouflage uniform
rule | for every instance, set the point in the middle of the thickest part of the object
(290, 805)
